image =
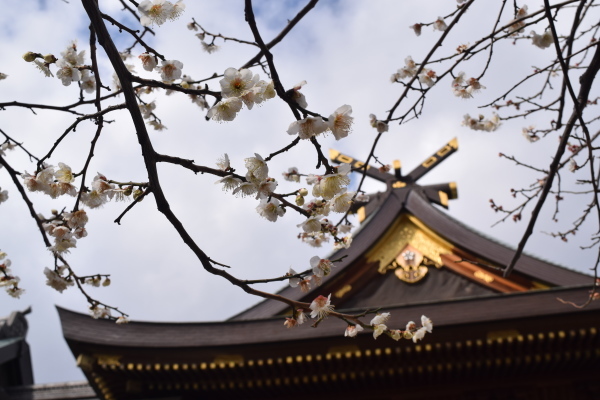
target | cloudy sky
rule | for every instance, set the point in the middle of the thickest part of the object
(346, 51)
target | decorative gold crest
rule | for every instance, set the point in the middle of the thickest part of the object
(409, 267)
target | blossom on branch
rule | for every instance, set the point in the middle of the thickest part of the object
(159, 11)
(270, 209)
(237, 83)
(170, 70)
(352, 330)
(149, 62)
(482, 124)
(340, 122)
(225, 110)
(321, 307)
(542, 41)
(307, 127)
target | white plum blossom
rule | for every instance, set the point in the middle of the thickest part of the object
(307, 127)
(170, 70)
(427, 77)
(237, 83)
(342, 201)
(439, 25)
(419, 334)
(321, 307)
(482, 124)
(64, 173)
(88, 81)
(99, 312)
(159, 11)
(67, 73)
(321, 267)
(223, 163)
(542, 41)
(70, 55)
(427, 324)
(56, 281)
(226, 109)
(380, 319)
(417, 28)
(297, 96)
(294, 282)
(229, 182)
(149, 62)
(147, 109)
(270, 209)
(408, 71)
(258, 169)
(77, 219)
(352, 330)
(265, 188)
(311, 225)
(209, 47)
(381, 126)
(330, 185)
(340, 122)
(378, 330)
(264, 91)
(343, 243)
(515, 25)
(245, 189)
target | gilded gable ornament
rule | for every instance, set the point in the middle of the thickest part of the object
(409, 265)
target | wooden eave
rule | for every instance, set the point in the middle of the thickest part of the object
(525, 337)
(411, 200)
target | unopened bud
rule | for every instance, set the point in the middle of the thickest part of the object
(128, 190)
(50, 59)
(106, 282)
(30, 56)
(299, 201)
(54, 212)
(137, 193)
(303, 192)
(407, 335)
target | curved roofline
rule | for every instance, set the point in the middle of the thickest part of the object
(412, 200)
(82, 330)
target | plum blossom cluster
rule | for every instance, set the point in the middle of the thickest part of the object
(59, 278)
(516, 25)
(408, 71)
(239, 88)
(378, 324)
(9, 281)
(51, 181)
(159, 11)
(339, 124)
(257, 183)
(465, 88)
(542, 41)
(319, 308)
(170, 70)
(331, 195)
(320, 268)
(66, 228)
(427, 76)
(481, 123)
(71, 67)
